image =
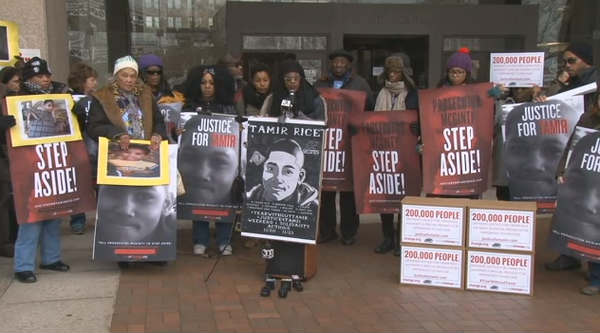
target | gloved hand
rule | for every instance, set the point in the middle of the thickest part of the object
(7, 122)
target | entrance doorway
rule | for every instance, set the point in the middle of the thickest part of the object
(370, 52)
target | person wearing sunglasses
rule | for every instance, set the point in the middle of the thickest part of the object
(152, 73)
(578, 62)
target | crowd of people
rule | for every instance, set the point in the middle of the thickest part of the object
(127, 109)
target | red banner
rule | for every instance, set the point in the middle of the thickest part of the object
(457, 129)
(386, 163)
(51, 180)
(337, 159)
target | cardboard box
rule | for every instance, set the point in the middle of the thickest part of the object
(502, 272)
(501, 225)
(433, 221)
(434, 267)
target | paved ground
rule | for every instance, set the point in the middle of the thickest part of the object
(81, 300)
(354, 290)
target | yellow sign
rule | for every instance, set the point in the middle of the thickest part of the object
(137, 166)
(42, 119)
(9, 43)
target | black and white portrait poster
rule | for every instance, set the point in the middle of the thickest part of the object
(535, 136)
(575, 224)
(171, 113)
(208, 163)
(283, 179)
(137, 223)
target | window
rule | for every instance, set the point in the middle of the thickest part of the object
(178, 22)
(210, 22)
(148, 21)
(170, 4)
(177, 4)
(284, 42)
(147, 3)
(156, 22)
(170, 22)
(156, 4)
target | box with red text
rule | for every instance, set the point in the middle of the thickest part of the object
(502, 272)
(433, 221)
(429, 266)
(501, 225)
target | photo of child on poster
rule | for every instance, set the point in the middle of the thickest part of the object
(137, 161)
(457, 131)
(535, 136)
(337, 156)
(137, 223)
(575, 224)
(54, 180)
(283, 178)
(138, 165)
(208, 164)
(42, 119)
(386, 167)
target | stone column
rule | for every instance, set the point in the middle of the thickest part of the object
(42, 25)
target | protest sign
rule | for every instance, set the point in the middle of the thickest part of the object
(342, 105)
(9, 43)
(457, 131)
(386, 165)
(517, 69)
(500, 272)
(575, 224)
(138, 165)
(51, 180)
(137, 223)
(437, 267)
(208, 163)
(283, 179)
(42, 119)
(501, 225)
(433, 221)
(535, 136)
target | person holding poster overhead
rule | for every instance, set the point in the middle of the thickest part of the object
(210, 89)
(46, 233)
(399, 93)
(341, 76)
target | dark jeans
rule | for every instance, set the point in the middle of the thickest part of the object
(201, 233)
(387, 226)
(502, 193)
(78, 220)
(594, 272)
(327, 216)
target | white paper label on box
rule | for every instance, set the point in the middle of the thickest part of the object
(499, 272)
(501, 229)
(517, 69)
(432, 225)
(431, 267)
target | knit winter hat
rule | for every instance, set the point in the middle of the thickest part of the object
(288, 66)
(394, 64)
(583, 51)
(125, 62)
(461, 59)
(148, 60)
(35, 66)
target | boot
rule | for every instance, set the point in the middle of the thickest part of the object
(266, 290)
(386, 246)
(285, 287)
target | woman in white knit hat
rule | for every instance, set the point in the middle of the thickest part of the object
(125, 110)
